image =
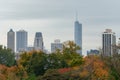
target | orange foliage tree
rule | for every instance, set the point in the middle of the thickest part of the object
(11, 73)
(94, 69)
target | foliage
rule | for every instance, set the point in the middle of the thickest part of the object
(31, 77)
(6, 56)
(52, 74)
(34, 62)
(70, 47)
(56, 60)
(64, 70)
(10, 73)
(70, 54)
(113, 63)
(95, 69)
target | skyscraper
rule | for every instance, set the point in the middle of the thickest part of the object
(21, 40)
(56, 45)
(78, 35)
(11, 40)
(38, 41)
(108, 40)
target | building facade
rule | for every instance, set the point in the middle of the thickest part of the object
(56, 45)
(21, 40)
(108, 41)
(38, 41)
(78, 35)
(11, 40)
(93, 52)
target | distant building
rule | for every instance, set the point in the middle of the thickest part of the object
(108, 41)
(56, 45)
(11, 40)
(38, 41)
(21, 40)
(93, 52)
(78, 35)
(30, 48)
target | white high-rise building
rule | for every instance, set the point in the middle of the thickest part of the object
(11, 40)
(21, 40)
(78, 35)
(56, 45)
(38, 41)
(108, 41)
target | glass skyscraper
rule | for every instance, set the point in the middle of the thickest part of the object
(38, 41)
(21, 40)
(78, 35)
(11, 40)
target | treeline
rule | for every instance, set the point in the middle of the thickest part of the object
(60, 65)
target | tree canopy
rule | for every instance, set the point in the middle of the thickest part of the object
(7, 57)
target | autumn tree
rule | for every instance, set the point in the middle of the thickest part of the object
(95, 68)
(70, 47)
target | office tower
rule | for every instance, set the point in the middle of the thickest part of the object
(38, 41)
(56, 45)
(21, 40)
(11, 40)
(108, 41)
(78, 35)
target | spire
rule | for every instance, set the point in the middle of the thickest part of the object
(76, 16)
(11, 30)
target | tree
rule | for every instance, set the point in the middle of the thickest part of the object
(7, 57)
(70, 54)
(95, 68)
(56, 60)
(38, 62)
(34, 62)
(52, 74)
(70, 47)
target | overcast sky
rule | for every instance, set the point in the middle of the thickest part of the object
(55, 19)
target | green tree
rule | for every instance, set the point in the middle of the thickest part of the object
(34, 62)
(70, 54)
(6, 56)
(56, 60)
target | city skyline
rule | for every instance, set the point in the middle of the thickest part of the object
(55, 19)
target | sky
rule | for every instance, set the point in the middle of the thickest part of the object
(55, 19)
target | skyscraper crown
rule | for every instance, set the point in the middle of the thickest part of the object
(11, 30)
(38, 34)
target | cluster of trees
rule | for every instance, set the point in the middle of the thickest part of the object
(60, 65)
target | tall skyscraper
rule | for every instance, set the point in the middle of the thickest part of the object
(56, 45)
(38, 41)
(21, 40)
(11, 40)
(78, 35)
(108, 40)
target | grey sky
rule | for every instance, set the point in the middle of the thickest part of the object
(55, 19)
